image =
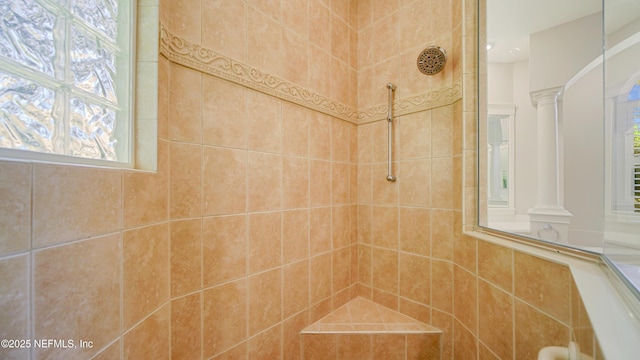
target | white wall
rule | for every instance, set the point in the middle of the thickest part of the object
(583, 126)
(557, 54)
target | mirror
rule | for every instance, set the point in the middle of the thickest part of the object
(559, 131)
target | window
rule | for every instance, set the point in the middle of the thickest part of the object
(636, 153)
(626, 151)
(66, 77)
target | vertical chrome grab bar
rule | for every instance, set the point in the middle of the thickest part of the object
(391, 88)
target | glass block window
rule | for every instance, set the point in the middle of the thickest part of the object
(66, 77)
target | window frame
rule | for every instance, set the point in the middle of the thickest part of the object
(142, 113)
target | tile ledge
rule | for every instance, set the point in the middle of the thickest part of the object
(408, 325)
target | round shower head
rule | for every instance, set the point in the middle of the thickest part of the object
(431, 60)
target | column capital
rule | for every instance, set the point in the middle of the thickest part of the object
(550, 95)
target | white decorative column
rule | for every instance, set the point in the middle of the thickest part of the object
(549, 219)
(495, 139)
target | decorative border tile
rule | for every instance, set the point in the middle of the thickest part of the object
(194, 56)
(417, 103)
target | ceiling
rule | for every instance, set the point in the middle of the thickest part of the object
(509, 22)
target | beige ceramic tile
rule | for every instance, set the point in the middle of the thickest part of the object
(535, 330)
(319, 277)
(295, 288)
(485, 353)
(365, 143)
(264, 122)
(442, 283)
(415, 180)
(340, 271)
(291, 329)
(385, 31)
(365, 192)
(465, 297)
(442, 234)
(414, 28)
(225, 181)
(340, 183)
(385, 192)
(295, 130)
(111, 352)
(224, 112)
(61, 215)
(465, 252)
(384, 229)
(319, 230)
(164, 70)
(442, 131)
(415, 310)
(340, 227)
(295, 65)
(384, 267)
(543, 284)
(320, 136)
(319, 70)
(224, 317)
(264, 191)
(295, 16)
(146, 195)
(415, 273)
(150, 339)
(341, 9)
(320, 183)
(15, 207)
(225, 27)
(319, 347)
(353, 142)
(77, 295)
(185, 19)
(495, 264)
(319, 18)
(295, 235)
(265, 41)
(340, 140)
(186, 256)
(441, 182)
(146, 271)
(295, 182)
(423, 346)
(444, 322)
(339, 81)
(414, 134)
(364, 264)
(265, 300)
(186, 329)
(224, 249)
(365, 216)
(238, 352)
(380, 144)
(389, 346)
(353, 224)
(14, 304)
(185, 180)
(495, 319)
(354, 346)
(385, 298)
(266, 345)
(320, 309)
(185, 105)
(415, 231)
(464, 343)
(265, 241)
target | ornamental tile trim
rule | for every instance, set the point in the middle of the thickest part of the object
(180, 51)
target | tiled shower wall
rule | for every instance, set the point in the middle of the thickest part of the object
(491, 302)
(265, 215)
